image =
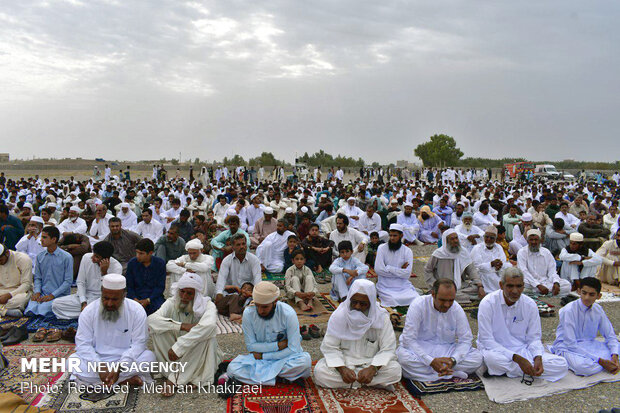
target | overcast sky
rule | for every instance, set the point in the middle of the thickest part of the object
(131, 80)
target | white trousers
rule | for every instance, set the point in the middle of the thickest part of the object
(415, 368)
(498, 364)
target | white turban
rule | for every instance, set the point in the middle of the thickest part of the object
(288, 210)
(265, 293)
(350, 199)
(396, 227)
(526, 217)
(534, 232)
(75, 209)
(576, 237)
(194, 244)
(269, 211)
(195, 281)
(125, 205)
(304, 209)
(114, 282)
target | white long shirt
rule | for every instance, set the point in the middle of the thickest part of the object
(201, 266)
(101, 228)
(369, 225)
(352, 211)
(31, 246)
(153, 230)
(235, 272)
(393, 285)
(464, 233)
(89, 277)
(482, 257)
(425, 328)
(572, 272)
(509, 329)
(537, 267)
(350, 234)
(78, 226)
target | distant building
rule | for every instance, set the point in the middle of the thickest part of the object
(402, 164)
(4, 157)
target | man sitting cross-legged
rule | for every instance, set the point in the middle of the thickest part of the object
(509, 334)
(112, 329)
(580, 323)
(183, 330)
(271, 332)
(436, 341)
(359, 345)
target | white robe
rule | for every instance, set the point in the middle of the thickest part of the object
(482, 257)
(271, 251)
(393, 285)
(572, 272)
(99, 230)
(201, 266)
(356, 239)
(197, 348)
(153, 230)
(78, 227)
(352, 211)
(504, 331)
(539, 268)
(375, 348)
(429, 334)
(31, 246)
(370, 225)
(123, 340)
(411, 224)
(464, 233)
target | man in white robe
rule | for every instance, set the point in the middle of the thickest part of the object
(237, 268)
(509, 333)
(271, 333)
(393, 265)
(518, 233)
(490, 260)
(31, 242)
(100, 227)
(344, 233)
(352, 211)
(16, 282)
(184, 330)
(539, 269)
(149, 227)
(470, 234)
(569, 219)
(581, 321)
(73, 224)
(578, 261)
(483, 218)
(93, 267)
(359, 345)
(128, 218)
(271, 251)
(436, 342)
(112, 329)
(194, 262)
(410, 223)
(371, 222)
(254, 212)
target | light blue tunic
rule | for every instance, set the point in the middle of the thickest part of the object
(53, 274)
(340, 289)
(261, 336)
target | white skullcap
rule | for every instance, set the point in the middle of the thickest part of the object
(269, 211)
(194, 244)
(37, 219)
(114, 282)
(394, 201)
(534, 232)
(396, 227)
(304, 209)
(124, 205)
(350, 199)
(288, 210)
(190, 280)
(51, 204)
(576, 237)
(526, 217)
(27, 205)
(409, 204)
(252, 197)
(265, 293)
(75, 209)
(52, 222)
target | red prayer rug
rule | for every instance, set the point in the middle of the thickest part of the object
(291, 398)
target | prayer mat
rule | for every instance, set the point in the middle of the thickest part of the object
(8, 322)
(225, 326)
(74, 401)
(12, 377)
(327, 302)
(607, 297)
(610, 288)
(289, 398)
(275, 277)
(419, 388)
(424, 258)
(322, 309)
(35, 323)
(397, 317)
(10, 402)
(368, 400)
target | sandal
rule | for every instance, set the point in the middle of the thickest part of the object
(69, 334)
(40, 335)
(303, 330)
(53, 335)
(314, 331)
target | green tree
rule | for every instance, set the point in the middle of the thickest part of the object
(441, 150)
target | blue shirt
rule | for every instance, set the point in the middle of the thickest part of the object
(147, 282)
(261, 335)
(53, 273)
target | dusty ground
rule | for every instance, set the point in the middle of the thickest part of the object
(589, 400)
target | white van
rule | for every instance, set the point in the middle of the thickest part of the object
(547, 171)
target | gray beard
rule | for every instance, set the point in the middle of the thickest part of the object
(111, 316)
(467, 226)
(454, 249)
(185, 308)
(534, 249)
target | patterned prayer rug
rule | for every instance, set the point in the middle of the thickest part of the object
(329, 304)
(225, 326)
(35, 323)
(8, 322)
(291, 398)
(419, 388)
(66, 401)
(323, 308)
(12, 379)
(276, 278)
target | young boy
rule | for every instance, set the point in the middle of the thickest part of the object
(345, 270)
(233, 304)
(292, 244)
(580, 322)
(299, 282)
(373, 245)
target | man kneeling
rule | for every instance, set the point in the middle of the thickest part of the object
(436, 340)
(271, 332)
(359, 344)
(112, 329)
(580, 322)
(183, 330)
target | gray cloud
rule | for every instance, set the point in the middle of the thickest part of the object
(142, 80)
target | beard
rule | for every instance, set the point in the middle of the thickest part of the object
(467, 226)
(185, 307)
(454, 248)
(406, 214)
(490, 246)
(270, 315)
(534, 249)
(395, 246)
(111, 315)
